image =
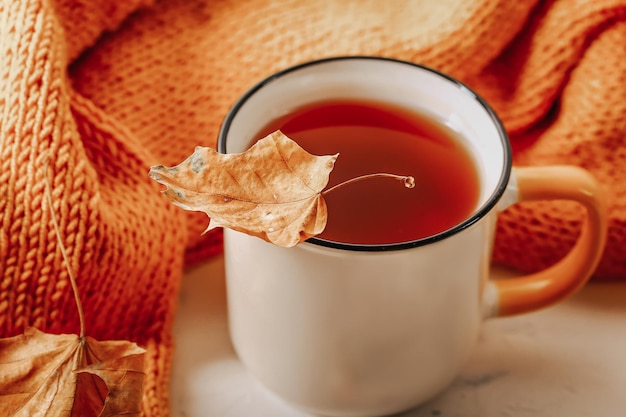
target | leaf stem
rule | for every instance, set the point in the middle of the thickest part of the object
(409, 181)
(79, 305)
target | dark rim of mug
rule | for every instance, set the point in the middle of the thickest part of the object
(475, 217)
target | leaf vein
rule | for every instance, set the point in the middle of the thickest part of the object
(284, 159)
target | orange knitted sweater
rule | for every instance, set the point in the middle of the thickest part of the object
(106, 88)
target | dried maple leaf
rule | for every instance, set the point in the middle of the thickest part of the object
(47, 375)
(273, 190)
(65, 375)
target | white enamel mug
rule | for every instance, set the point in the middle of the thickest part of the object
(351, 330)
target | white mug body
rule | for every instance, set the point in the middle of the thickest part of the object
(348, 330)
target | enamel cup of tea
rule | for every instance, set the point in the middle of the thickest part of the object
(343, 327)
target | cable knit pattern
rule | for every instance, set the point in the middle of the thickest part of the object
(103, 89)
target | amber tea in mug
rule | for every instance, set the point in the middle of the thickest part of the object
(375, 137)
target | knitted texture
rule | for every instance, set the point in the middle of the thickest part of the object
(103, 89)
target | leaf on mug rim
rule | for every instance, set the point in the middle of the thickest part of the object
(272, 190)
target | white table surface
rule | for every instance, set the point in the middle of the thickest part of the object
(564, 361)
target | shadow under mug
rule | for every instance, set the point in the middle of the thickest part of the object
(352, 330)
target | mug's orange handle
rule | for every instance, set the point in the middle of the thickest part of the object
(540, 289)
